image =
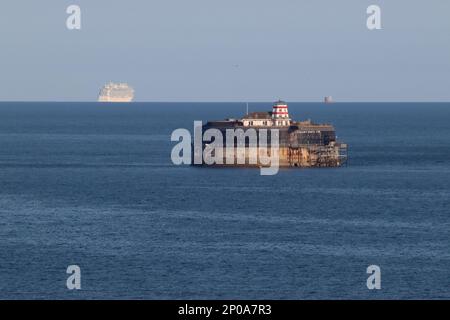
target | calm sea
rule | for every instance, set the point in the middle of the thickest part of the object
(93, 185)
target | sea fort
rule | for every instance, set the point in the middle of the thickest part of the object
(263, 139)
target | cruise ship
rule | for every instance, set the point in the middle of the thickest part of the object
(116, 92)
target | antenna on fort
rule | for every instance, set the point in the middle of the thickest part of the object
(247, 108)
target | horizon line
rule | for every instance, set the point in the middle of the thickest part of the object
(216, 101)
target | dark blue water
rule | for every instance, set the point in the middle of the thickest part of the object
(93, 185)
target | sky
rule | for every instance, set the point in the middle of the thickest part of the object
(226, 50)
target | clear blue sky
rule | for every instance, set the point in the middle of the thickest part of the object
(226, 50)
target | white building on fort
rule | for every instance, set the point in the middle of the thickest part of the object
(279, 117)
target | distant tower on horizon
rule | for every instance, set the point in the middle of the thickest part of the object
(328, 99)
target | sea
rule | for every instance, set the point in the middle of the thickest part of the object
(93, 185)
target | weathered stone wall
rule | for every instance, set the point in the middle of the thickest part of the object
(305, 156)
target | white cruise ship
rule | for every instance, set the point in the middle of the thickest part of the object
(116, 92)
